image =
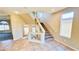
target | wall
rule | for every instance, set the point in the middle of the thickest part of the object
(43, 16)
(53, 25)
(17, 22)
(17, 26)
(27, 18)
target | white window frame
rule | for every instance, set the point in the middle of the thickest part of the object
(66, 24)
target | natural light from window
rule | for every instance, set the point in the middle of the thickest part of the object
(66, 24)
(4, 25)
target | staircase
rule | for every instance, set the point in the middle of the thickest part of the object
(48, 36)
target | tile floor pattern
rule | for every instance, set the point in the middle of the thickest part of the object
(25, 45)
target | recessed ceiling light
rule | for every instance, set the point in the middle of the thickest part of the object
(16, 12)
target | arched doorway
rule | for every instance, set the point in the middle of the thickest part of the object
(5, 29)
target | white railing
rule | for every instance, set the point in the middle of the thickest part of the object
(41, 31)
(35, 32)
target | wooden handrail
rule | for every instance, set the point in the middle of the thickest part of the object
(39, 31)
(38, 23)
(42, 31)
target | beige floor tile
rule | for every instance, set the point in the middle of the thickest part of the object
(24, 45)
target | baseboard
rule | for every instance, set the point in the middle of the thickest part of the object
(66, 45)
(63, 43)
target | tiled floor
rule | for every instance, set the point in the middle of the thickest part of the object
(25, 45)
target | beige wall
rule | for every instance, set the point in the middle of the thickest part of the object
(17, 22)
(53, 24)
(27, 18)
(17, 26)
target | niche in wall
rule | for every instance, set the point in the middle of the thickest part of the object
(66, 24)
(26, 30)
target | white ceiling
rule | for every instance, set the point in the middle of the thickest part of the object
(46, 9)
(5, 10)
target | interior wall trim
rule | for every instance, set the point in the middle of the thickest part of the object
(60, 10)
(63, 43)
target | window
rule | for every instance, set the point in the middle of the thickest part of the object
(66, 24)
(4, 25)
(43, 16)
